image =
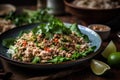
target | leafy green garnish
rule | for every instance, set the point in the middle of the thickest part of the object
(13, 48)
(36, 59)
(58, 59)
(7, 42)
(55, 26)
(64, 48)
(74, 28)
(88, 51)
(86, 38)
(76, 55)
(30, 16)
(22, 32)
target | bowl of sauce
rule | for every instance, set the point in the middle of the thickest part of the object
(102, 30)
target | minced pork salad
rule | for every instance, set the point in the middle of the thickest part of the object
(50, 43)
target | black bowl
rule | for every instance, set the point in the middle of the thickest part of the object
(93, 36)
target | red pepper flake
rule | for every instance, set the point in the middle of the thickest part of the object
(56, 40)
(24, 43)
(47, 49)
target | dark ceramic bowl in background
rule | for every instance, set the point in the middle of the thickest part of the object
(91, 16)
(93, 36)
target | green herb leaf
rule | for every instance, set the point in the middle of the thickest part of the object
(74, 28)
(8, 42)
(36, 59)
(76, 55)
(55, 26)
(22, 32)
(86, 38)
(58, 59)
(91, 49)
(30, 16)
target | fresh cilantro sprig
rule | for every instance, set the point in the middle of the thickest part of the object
(55, 26)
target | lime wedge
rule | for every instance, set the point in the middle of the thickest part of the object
(99, 67)
(109, 49)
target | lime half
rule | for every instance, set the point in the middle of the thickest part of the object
(99, 67)
(109, 49)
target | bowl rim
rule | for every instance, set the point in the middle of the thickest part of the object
(92, 9)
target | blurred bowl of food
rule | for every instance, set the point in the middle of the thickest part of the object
(5, 25)
(102, 30)
(93, 11)
(5, 9)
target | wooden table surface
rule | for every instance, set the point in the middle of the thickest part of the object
(86, 74)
